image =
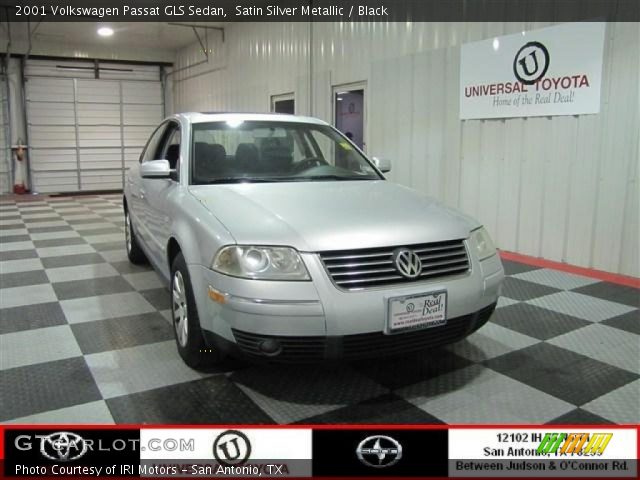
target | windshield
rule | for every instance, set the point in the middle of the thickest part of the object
(264, 151)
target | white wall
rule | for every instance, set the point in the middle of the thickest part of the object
(5, 140)
(561, 188)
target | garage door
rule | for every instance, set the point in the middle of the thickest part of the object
(85, 132)
(5, 155)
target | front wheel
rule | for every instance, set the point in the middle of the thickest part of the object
(186, 322)
(134, 251)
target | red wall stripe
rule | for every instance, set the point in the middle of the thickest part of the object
(565, 267)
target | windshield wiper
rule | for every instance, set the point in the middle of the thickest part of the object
(242, 180)
(337, 177)
(224, 180)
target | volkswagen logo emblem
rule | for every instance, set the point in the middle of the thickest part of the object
(232, 447)
(407, 262)
(63, 446)
(379, 451)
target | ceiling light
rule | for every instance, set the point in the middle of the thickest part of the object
(235, 122)
(105, 31)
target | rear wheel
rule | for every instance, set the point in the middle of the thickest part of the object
(134, 251)
(186, 322)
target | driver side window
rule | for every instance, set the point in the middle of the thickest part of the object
(170, 148)
(151, 150)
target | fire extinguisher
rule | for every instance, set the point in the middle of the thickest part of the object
(19, 152)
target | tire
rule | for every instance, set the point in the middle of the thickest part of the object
(134, 251)
(185, 319)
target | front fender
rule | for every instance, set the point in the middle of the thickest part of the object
(198, 232)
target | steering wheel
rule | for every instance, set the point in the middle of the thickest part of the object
(308, 163)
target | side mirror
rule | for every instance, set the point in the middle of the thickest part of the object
(155, 169)
(383, 164)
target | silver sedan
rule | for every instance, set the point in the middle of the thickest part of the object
(280, 240)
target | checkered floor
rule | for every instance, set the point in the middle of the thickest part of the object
(85, 337)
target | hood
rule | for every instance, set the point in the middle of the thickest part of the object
(321, 216)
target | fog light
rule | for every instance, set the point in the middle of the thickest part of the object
(270, 347)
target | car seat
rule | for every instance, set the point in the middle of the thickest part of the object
(247, 158)
(172, 155)
(209, 161)
(276, 155)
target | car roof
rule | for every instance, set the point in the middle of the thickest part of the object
(203, 117)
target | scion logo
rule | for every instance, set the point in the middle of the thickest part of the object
(63, 446)
(531, 63)
(379, 451)
(232, 447)
(407, 262)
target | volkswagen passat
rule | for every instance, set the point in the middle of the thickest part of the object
(281, 240)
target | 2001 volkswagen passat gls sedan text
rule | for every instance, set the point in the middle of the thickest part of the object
(281, 240)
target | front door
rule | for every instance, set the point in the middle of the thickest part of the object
(158, 191)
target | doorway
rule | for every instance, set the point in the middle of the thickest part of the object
(284, 103)
(349, 112)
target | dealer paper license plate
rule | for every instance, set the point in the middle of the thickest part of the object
(424, 310)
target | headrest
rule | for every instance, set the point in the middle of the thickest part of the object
(247, 156)
(218, 152)
(276, 155)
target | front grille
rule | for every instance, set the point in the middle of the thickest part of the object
(373, 344)
(373, 267)
(365, 345)
(362, 346)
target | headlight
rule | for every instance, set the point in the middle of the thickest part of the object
(260, 263)
(481, 242)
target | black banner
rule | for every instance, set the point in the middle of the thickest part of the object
(380, 453)
(319, 10)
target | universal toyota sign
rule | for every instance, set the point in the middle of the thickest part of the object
(551, 71)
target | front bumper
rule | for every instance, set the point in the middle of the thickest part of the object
(295, 349)
(322, 321)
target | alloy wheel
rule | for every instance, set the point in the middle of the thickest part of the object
(127, 231)
(180, 313)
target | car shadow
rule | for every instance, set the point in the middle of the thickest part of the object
(336, 385)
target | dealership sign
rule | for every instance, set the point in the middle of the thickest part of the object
(551, 71)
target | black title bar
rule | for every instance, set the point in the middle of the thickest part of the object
(320, 10)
